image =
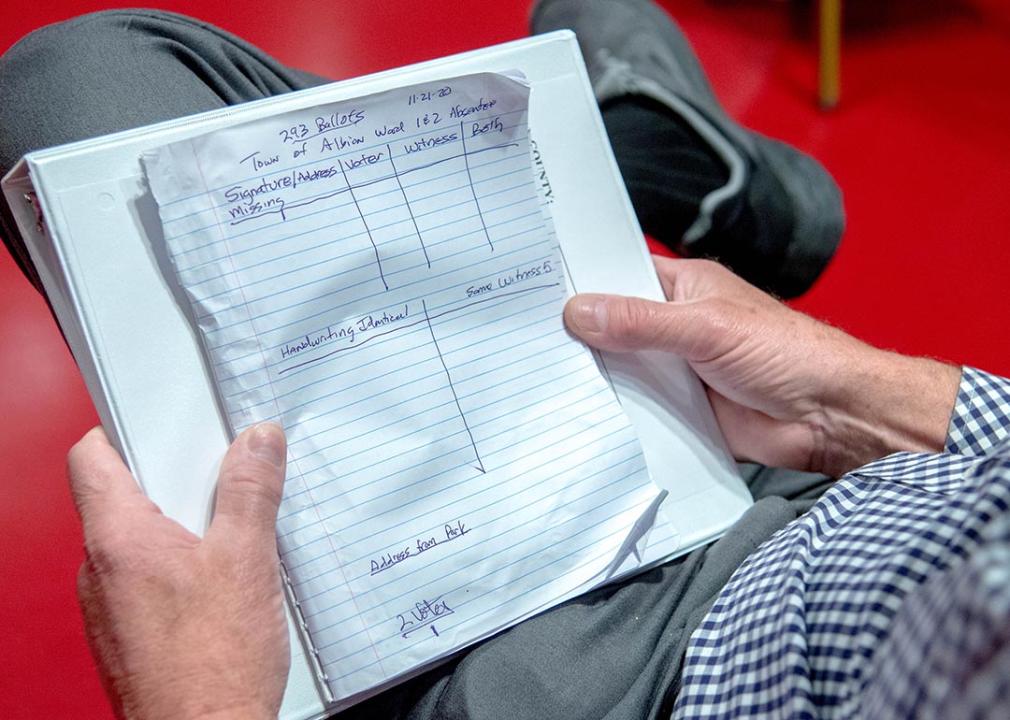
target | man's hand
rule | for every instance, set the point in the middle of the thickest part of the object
(787, 390)
(183, 627)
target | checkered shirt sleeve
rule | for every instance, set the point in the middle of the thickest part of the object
(981, 417)
(833, 615)
(948, 653)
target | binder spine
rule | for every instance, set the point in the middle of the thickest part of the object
(303, 628)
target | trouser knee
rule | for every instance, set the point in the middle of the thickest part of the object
(86, 39)
(87, 76)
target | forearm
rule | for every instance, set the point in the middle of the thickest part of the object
(882, 403)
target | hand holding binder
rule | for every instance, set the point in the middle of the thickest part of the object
(182, 626)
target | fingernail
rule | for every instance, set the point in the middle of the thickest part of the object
(266, 441)
(590, 314)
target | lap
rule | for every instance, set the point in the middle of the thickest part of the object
(117, 70)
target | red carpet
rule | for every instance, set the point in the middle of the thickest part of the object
(919, 145)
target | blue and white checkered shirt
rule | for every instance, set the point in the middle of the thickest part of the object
(889, 599)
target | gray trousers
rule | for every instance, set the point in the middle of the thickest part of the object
(615, 653)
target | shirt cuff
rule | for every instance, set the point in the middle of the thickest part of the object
(981, 417)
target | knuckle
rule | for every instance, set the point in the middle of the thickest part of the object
(108, 550)
(716, 308)
(708, 265)
(253, 480)
(714, 328)
(628, 320)
(713, 268)
(103, 560)
(719, 315)
(80, 470)
(75, 464)
(74, 456)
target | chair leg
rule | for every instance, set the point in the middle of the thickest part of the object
(830, 52)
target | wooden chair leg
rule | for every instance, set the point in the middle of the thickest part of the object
(830, 52)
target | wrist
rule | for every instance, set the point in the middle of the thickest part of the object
(239, 713)
(881, 403)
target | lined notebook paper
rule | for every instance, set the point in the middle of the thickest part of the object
(382, 278)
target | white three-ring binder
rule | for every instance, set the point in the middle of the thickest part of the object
(87, 218)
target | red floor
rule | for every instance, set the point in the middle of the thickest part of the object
(920, 147)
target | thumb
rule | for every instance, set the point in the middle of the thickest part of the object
(251, 480)
(624, 324)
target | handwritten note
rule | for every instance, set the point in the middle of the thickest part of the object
(381, 277)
